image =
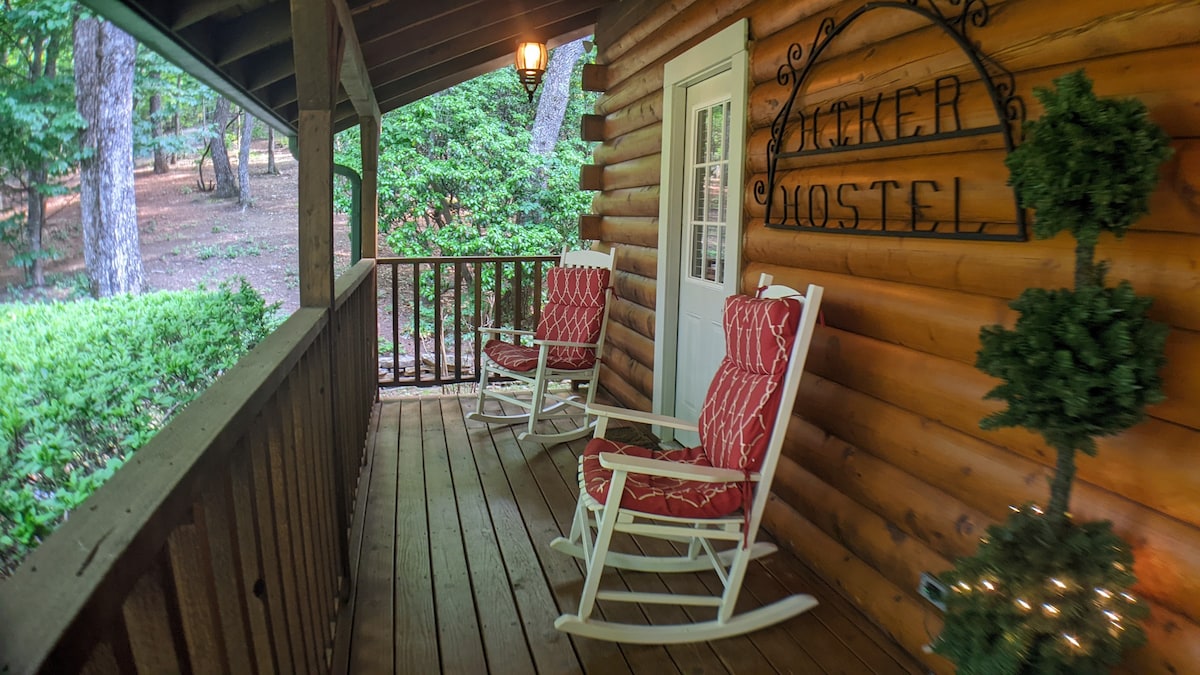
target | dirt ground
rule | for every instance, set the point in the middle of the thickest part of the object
(190, 238)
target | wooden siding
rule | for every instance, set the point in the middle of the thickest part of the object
(454, 573)
(887, 473)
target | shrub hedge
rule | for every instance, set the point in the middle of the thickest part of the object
(83, 385)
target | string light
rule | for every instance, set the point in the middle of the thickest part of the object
(1059, 584)
(989, 585)
(1050, 609)
(1112, 616)
(1072, 639)
(1128, 597)
(1104, 593)
(1023, 604)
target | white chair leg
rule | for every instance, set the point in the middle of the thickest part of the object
(538, 396)
(595, 565)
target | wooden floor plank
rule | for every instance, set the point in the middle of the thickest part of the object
(458, 625)
(551, 650)
(372, 648)
(500, 623)
(562, 572)
(414, 618)
(475, 587)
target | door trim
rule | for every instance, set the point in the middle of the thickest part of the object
(725, 51)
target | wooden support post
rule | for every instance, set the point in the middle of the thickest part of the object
(369, 139)
(313, 48)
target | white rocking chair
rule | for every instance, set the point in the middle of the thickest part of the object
(566, 345)
(704, 496)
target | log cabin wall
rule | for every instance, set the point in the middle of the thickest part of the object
(887, 472)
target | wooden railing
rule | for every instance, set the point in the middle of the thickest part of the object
(221, 546)
(430, 309)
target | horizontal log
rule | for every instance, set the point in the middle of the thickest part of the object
(1165, 266)
(877, 542)
(935, 321)
(633, 316)
(635, 288)
(946, 525)
(641, 201)
(636, 345)
(616, 44)
(591, 177)
(591, 127)
(640, 143)
(910, 622)
(641, 113)
(594, 77)
(1074, 31)
(982, 190)
(637, 376)
(623, 392)
(1153, 77)
(638, 172)
(1172, 646)
(990, 478)
(952, 393)
(640, 260)
(589, 227)
(635, 230)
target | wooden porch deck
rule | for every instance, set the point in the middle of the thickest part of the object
(454, 572)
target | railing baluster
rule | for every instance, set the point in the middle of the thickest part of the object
(416, 285)
(477, 342)
(395, 324)
(537, 292)
(438, 343)
(518, 300)
(498, 295)
(458, 325)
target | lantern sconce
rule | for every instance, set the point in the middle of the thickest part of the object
(531, 65)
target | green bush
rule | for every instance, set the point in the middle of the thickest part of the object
(84, 385)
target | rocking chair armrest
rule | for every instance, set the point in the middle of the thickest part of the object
(503, 331)
(562, 343)
(642, 417)
(659, 467)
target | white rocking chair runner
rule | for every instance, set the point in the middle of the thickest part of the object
(566, 345)
(713, 496)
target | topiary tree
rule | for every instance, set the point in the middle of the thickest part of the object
(1043, 594)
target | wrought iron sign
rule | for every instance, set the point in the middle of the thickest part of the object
(799, 195)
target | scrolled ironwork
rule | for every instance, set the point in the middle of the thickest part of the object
(997, 80)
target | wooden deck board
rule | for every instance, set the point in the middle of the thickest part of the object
(453, 572)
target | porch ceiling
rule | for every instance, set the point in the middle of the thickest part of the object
(411, 48)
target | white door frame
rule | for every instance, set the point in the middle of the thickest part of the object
(724, 51)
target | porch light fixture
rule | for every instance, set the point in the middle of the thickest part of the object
(531, 65)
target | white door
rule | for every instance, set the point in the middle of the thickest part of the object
(706, 276)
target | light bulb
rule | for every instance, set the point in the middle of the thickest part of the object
(1050, 609)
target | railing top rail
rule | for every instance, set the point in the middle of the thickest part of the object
(81, 574)
(469, 259)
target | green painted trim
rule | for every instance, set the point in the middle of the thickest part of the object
(148, 31)
(355, 210)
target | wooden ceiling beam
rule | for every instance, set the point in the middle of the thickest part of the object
(378, 20)
(354, 76)
(250, 33)
(269, 66)
(490, 41)
(199, 10)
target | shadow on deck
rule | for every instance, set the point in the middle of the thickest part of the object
(454, 573)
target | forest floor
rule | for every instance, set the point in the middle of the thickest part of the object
(189, 238)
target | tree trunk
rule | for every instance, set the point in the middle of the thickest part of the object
(244, 161)
(104, 66)
(175, 115)
(156, 125)
(226, 186)
(35, 221)
(552, 106)
(271, 168)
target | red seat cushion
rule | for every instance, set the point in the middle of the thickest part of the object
(655, 494)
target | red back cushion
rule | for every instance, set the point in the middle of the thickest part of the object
(739, 410)
(573, 313)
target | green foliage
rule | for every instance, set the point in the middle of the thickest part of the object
(179, 94)
(1088, 164)
(84, 385)
(1031, 589)
(1042, 594)
(1078, 364)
